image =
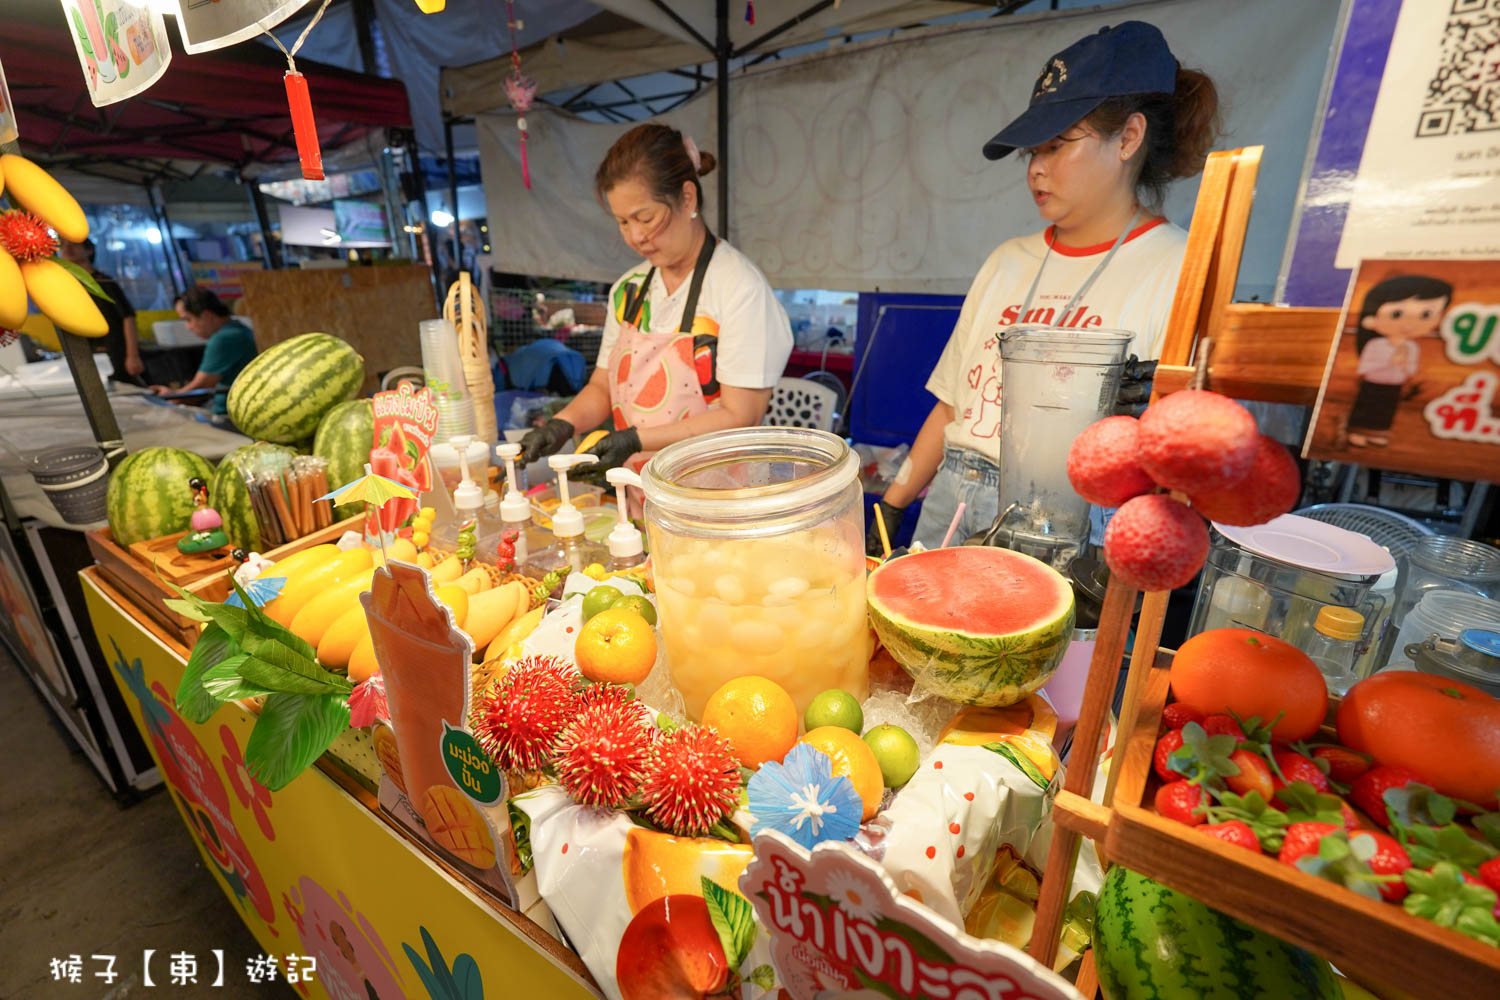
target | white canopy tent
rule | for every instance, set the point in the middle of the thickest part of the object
(858, 167)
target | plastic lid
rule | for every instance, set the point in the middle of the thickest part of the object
(1481, 640)
(567, 522)
(514, 508)
(1340, 623)
(1314, 545)
(624, 538)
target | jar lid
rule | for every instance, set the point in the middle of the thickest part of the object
(1340, 623)
(1309, 544)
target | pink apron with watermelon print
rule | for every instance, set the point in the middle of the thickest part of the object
(658, 378)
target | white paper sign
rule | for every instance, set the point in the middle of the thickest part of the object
(1429, 179)
(213, 24)
(122, 46)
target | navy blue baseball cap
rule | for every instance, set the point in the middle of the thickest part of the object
(1130, 58)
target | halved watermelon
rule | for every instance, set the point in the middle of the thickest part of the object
(971, 623)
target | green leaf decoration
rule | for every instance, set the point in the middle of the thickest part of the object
(440, 970)
(225, 681)
(186, 609)
(274, 667)
(293, 731)
(429, 979)
(1488, 827)
(520, 831)
(732, 917)
(84, 278)
(763, 976)
(193, 702)
(82, 32)
(1362, 846)
(466, 978)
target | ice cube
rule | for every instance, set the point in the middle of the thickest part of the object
(756, 637)
(789, 587)
(730, 588)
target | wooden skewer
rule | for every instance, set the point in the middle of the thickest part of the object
(279, 501)
(302, 508)
(325, 507)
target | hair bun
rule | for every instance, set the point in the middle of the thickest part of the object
(706, 163)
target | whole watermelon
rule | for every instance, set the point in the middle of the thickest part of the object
(1153, 943)
(148, 493)
(230, 496)
(283, 394)
(344, 438)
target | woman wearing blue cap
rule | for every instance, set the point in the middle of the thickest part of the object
(1113, 120)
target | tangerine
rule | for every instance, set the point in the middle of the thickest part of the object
(616, 646)
(852, 758)
(1250, 673)
(1447, 731)
(756, 716)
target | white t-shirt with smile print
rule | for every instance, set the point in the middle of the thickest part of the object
(1134, 293)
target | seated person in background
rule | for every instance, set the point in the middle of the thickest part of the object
(231, 346)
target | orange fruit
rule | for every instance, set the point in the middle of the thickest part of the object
(852, 758)
(616, 646)
(1250, 673)
(756, 716)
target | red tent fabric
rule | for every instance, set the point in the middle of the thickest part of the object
(226, 106)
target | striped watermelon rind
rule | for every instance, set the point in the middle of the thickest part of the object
(283, 394)
(230, 496)
(148, 494)
(1154, 943)
(345, 437)
(915, 607)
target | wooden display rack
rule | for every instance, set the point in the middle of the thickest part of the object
(1251, 352)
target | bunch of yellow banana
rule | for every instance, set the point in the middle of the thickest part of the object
(27, 264)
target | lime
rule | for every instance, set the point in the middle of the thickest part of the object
(834, 707)
(599, 599)
(639, 604)
(896, 752)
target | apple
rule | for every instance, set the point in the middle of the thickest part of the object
(671, 951)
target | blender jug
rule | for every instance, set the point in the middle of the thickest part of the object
(1055, 382)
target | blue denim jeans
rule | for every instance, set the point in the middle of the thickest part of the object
(963, 477)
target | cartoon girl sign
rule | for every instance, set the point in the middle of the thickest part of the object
(1395, 314)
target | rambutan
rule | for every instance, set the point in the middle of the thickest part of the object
(25, 236)
(525, 711)
(601, 757)
(693, 781)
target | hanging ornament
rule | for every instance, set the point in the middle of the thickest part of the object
(121, 44)
(431, 6)
(520, 90)
(8, 130)
(299, 101)
(749, 11)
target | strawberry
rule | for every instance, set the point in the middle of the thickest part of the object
(1351, 818)
(1369, 789)
(1254, 775)
(1180, 800)
(1236, 832)
(1303, 839)
(1222, 725)
(1177, 715)
(1165, 746)
(1344, 765)
(1389, 859)
(1489, 873)
(1295, 767)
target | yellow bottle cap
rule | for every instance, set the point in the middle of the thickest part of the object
(1340, 623)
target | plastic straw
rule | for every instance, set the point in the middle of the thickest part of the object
(885, 539)
(953, 524)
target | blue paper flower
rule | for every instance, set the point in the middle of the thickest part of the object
(801, 798)
(261, 591)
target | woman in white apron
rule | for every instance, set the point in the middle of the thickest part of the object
(1113, 120)
(695, 339)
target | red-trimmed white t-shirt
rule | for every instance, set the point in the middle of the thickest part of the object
(1134, 293)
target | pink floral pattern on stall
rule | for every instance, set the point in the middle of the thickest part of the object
(251, 793)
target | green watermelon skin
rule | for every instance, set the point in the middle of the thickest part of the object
(148, 494)
(229, 495)
(1153, 943)
(345, 438)
(283, 394)
(933, 612)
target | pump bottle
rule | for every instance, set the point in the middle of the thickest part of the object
(573, 551)
(626, 548)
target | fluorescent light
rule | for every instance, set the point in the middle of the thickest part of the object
(441, 218)
(330, 236)
(153, 235)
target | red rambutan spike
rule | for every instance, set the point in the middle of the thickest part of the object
(601, 758)
(25, 237)
(526, 711)
(693, 781)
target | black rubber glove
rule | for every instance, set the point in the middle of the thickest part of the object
(1135, 387)
(545, 440)
(613, 450)
(892, 517)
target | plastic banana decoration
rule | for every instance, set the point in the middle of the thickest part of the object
(28, 266)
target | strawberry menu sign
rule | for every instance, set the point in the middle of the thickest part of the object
(1413, 380)
(840, 927)
(405, 421)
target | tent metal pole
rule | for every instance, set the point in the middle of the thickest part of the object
(424, 220)
(101, 416)
(169, 243)
(453, 192)
(721, 55)
(269, 249)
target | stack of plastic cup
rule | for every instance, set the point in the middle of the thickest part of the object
(444, 372)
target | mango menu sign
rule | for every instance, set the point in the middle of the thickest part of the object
(840, 928)
(1414, 375)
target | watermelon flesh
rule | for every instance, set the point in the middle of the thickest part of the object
(975, 624)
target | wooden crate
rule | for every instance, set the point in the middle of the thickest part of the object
(1368, 940)
(133, 572)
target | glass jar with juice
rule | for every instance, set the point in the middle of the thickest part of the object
(757, 540)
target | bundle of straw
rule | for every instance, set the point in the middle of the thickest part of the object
(464, 310)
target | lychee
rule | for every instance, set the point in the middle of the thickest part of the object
(1197, 441)
(1269, 489)
(1155, 543)
(1102, 462)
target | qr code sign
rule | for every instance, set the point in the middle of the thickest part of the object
(1464, 94)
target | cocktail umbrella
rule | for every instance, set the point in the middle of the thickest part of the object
(373, 491)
